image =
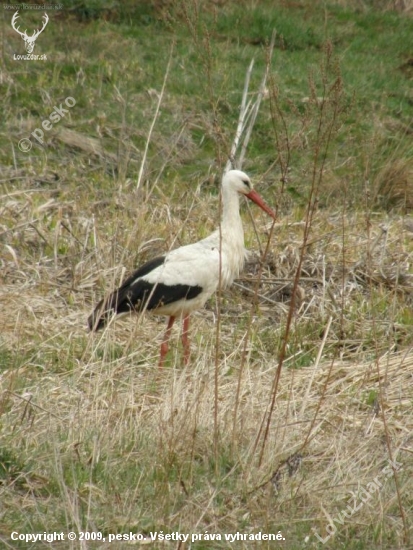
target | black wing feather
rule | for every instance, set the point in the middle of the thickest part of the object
(136, 294)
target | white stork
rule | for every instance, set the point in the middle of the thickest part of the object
(182, 280)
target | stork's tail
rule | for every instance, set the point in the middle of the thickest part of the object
(101, 315)
(115, 303)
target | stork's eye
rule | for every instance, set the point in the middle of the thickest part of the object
(247, 183)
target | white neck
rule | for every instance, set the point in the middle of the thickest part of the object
(232, 234)
(231, 224)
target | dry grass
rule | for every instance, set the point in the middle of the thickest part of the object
(86, 413)
(394, 185)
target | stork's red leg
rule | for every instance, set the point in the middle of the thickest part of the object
(185, 339)
(164, 345)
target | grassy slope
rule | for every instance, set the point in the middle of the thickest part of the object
(93, 437)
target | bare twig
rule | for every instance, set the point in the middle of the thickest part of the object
(155, 118)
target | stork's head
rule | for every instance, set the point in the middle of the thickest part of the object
(239, 181)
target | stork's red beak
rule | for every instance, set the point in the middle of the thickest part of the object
(255, 197)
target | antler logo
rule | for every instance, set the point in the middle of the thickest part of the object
(29, 40)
